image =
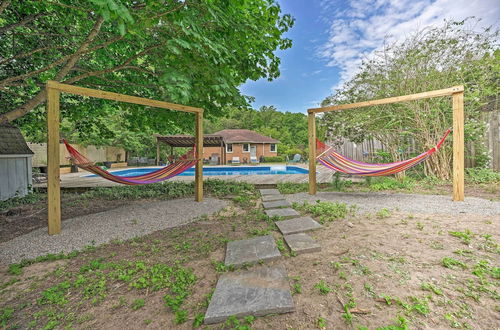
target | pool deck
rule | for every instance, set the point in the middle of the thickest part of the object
(77, 180)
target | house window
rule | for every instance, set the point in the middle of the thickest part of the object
(246, 147)
(229, 148)
(273, 147)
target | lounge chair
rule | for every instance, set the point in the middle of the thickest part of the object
(235, 160)
(296, 158)
(254, 160)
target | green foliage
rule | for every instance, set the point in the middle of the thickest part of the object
(16, 269)
(233, 323)
(274, 159)
(321, 323)
(482, 175)
(383, 213)
(196, 54)
(430, 59)
(138, 304)
(30, 198)
(5, 315)
(389, 183)
(292, 188)
(466, 235)
(451, 263)
(326, 211)
(322, 287)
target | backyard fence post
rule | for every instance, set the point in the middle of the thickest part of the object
(458, 146)
(312, 152)
(199, 156)
(53, 174)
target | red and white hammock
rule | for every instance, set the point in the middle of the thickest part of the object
(186, 161)
(337, 162)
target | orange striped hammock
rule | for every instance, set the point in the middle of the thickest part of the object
(186, 161)
(337, 162)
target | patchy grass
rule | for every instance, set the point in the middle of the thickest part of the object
(326, 211)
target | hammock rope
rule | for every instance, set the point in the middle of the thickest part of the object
(185, 162)
(337, 162)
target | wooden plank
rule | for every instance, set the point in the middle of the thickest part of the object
(404, 98)
(120, 97)
(312, 152)
(53, 174)
(199, 154)
(458, 147)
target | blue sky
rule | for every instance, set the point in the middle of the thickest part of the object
(331, 37)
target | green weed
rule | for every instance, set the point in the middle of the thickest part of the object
(466, 235)
(326, 211)
(451, 263)
(383, 213)
(137, 304)
(323, 287)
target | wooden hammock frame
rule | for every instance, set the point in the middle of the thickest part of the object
(53, 91)
(457, 94)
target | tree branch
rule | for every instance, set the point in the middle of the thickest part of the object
(23, 22)
(4, 5)
(38, 50)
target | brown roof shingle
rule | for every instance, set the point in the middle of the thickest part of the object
(12, 141)
(244, 135)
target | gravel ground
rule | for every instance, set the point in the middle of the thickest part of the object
(136, 219)
(408, 203)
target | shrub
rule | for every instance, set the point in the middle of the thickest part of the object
(482, 175)
(274, 159)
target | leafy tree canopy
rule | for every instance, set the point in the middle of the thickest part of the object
(434, 58)
(194, 52)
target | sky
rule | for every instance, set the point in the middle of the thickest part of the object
(331, 37)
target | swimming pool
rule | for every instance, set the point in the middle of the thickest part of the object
(222, 170)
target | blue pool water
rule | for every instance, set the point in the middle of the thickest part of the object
(233, 170)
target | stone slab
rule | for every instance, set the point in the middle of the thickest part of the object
(265, 192)
(270, 198)
(301, 243)
(252, 250)
(285, 213)
(258, 292)
(276, 204)
(297, 225)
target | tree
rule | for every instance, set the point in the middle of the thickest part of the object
(433, 58)
(193, 52)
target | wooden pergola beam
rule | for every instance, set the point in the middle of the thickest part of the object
(412, 97)
(457, 93)
(53, 91)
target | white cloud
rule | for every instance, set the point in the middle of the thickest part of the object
(359, 29)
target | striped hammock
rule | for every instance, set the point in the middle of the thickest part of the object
(337, 162)
(186, 161)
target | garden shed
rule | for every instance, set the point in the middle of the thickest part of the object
(15, 163)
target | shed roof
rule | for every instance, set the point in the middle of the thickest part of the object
(244, 135)
(12, 141)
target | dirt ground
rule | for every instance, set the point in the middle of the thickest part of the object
(374, 271)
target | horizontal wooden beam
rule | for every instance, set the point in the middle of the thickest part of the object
(120, 97)
(425, 95)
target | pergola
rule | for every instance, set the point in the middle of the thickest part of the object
(184, 141)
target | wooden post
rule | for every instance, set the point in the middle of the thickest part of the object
(53, 174)
(458, 146)
(199, 154)
(157, 152)
(312, 152)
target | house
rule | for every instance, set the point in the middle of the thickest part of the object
(241, 144)
(15, 163)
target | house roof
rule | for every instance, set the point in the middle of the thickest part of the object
(244, 135)
(12, 141)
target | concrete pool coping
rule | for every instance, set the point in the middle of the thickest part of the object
(76, 180)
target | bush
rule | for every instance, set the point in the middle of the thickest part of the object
(275, 159)
(292, 188)
(388, 183)
(482, 175)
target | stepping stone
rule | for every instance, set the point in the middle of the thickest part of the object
(276, 204)
(270, 198)
(301, 243)
(297, 225)
(285, 213)
(251, 251)
(258, 292)
(265, 192)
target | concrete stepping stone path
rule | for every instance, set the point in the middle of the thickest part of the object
(301, 243)
(297, 225)
(261, 248)
(258, 292)
(271, 198)
(285, 213)
(276, 204)
(264, 192)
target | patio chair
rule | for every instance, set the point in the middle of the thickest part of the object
(254, 160)
(296, 158)
(235, 160)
